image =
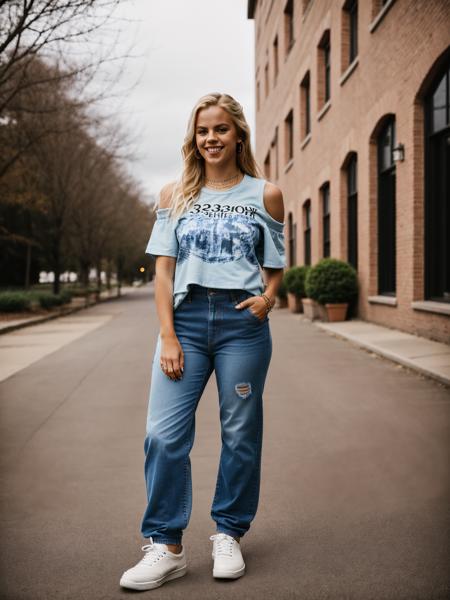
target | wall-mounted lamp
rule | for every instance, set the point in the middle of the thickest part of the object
(398, 153)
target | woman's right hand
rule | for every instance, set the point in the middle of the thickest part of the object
(172, 357)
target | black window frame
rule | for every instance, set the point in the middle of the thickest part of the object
(351, 8)
(326, 218)
(307, 232)
(306, 103)
(289, 25)
(352, 210)
(289, 128)
(386, 210)
(437, 186)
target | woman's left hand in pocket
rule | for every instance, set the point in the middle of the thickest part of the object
(256, 304)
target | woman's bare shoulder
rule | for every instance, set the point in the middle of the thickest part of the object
(273, 201)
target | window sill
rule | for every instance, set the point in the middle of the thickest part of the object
(349, 70)
(388, 300)
(305, 141)
(380, 16)
(324, 110)
(442, 308)
(288, 165)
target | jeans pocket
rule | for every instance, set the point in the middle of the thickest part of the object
(247, 310)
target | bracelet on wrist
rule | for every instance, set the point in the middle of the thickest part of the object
(268, 302)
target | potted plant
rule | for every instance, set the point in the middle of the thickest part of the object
(294, 280)
(282, 295)
(332, 283)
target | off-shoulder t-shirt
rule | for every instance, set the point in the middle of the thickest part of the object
(222, 241)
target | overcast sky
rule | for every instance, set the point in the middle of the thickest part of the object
(187, 48)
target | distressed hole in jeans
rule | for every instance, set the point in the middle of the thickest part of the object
(243, 390)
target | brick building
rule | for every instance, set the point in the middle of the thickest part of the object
(352, 122)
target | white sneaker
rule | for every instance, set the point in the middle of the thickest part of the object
(158, 566)
(228, 561)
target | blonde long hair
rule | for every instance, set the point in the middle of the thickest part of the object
(187, 188)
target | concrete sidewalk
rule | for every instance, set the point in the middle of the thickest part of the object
(425, 356)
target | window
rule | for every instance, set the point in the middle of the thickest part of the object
(352, 212)
(349, 33)
(266, 79)
(326, 219)
(437, 189)
(305, 107)
(326, 57)
(275, 60)
(267, 166)
(289, 26)
(289, 136)
(386, 211)
(324, 68)
(325, 193)
(292, 242)
(274, 145)
(307, 232)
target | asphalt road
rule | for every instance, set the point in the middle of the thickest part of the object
(354, 499)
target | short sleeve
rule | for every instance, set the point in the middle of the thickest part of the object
(163, 240)
(274, 255)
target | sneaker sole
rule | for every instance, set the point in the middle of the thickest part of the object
(149, 585)
(229, 574)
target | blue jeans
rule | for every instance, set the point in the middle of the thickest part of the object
(237, 345)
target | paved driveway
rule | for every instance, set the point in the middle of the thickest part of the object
(355, 477)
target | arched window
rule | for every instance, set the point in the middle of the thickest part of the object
(325, 198)
(386, 210)
(307, 232)
(437, 189)
(352, 211)
(292, 242)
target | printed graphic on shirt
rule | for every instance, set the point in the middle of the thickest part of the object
(218, 234)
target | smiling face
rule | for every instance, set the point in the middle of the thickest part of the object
(216, 136)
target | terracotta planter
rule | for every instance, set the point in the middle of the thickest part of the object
(281, 302)
(310, 309)
(336, 312)
(294, 303)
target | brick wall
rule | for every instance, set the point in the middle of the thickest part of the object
(396, 58)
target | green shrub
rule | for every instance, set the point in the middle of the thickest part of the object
(66, 296)
(14, 301)
(294, 280)
(49, 300)
(331, 281)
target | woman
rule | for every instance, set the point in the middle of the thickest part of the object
(214, 230)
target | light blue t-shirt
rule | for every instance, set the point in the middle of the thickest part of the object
(222, 241)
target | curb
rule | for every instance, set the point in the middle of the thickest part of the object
(405, 362)
(62, 313)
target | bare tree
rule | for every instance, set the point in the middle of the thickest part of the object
(28, 27)
(36, 39)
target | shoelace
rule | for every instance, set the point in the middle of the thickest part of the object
(153, 552)
(223, 544)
